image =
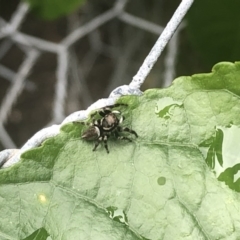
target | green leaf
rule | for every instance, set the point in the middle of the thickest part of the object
(213, 29)
(210, 160)
(156, 187)
(52, 9)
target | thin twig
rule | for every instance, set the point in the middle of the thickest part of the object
(89, 27)
(120, 5)
(140, 23)
(61, 86)
(35, 42)
(170, 59)
(16, 20)
(6, 155)
(18, 16)
(123, 62)
(30, 41)
(88, 62)
(77, 81)
(80, 80)
(17, 85)
(95, 41)
(11, 76)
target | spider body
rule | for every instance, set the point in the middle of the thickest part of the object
(109, 125)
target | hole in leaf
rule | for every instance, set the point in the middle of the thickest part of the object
(117, 214)
(222, 155)
(165, 106)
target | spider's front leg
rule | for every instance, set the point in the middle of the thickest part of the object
(121, 137)
(97, 143)
(105, 138)
(106, 110)
(100, 139)
(126, 129)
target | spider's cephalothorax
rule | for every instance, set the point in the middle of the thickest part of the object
(109, 125)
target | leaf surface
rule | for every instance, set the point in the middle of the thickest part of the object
(157, 187)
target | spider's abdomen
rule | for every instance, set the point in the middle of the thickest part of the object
(91, 133)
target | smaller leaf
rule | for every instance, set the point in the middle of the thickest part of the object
(52, 9)
(218, 146)
(40, 234)
(210, 160)
(228, 176)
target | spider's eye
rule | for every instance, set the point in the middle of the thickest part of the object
(92, 133)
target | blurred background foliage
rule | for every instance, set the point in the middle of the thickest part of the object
(54, 9)
(214, 30)
(111, 55)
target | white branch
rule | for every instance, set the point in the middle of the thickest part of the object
(35, 42)
(18, 16)
(29, 41)
(16, 20)
(5, 155)
(159, 46)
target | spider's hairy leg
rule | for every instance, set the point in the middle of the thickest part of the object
(97, 143)
(121, 120)
(116, 133)
(105, 143)
(93, 114)
(106, 110)
(83, 123)
(104, 139)
(124, 138)
(126, 129)
(117, 105)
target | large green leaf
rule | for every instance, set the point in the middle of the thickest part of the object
(52, 9)
(156, 187)
(213, 29)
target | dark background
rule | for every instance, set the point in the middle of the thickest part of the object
(211, 35)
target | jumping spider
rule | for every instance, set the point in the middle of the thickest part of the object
(109, 125)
